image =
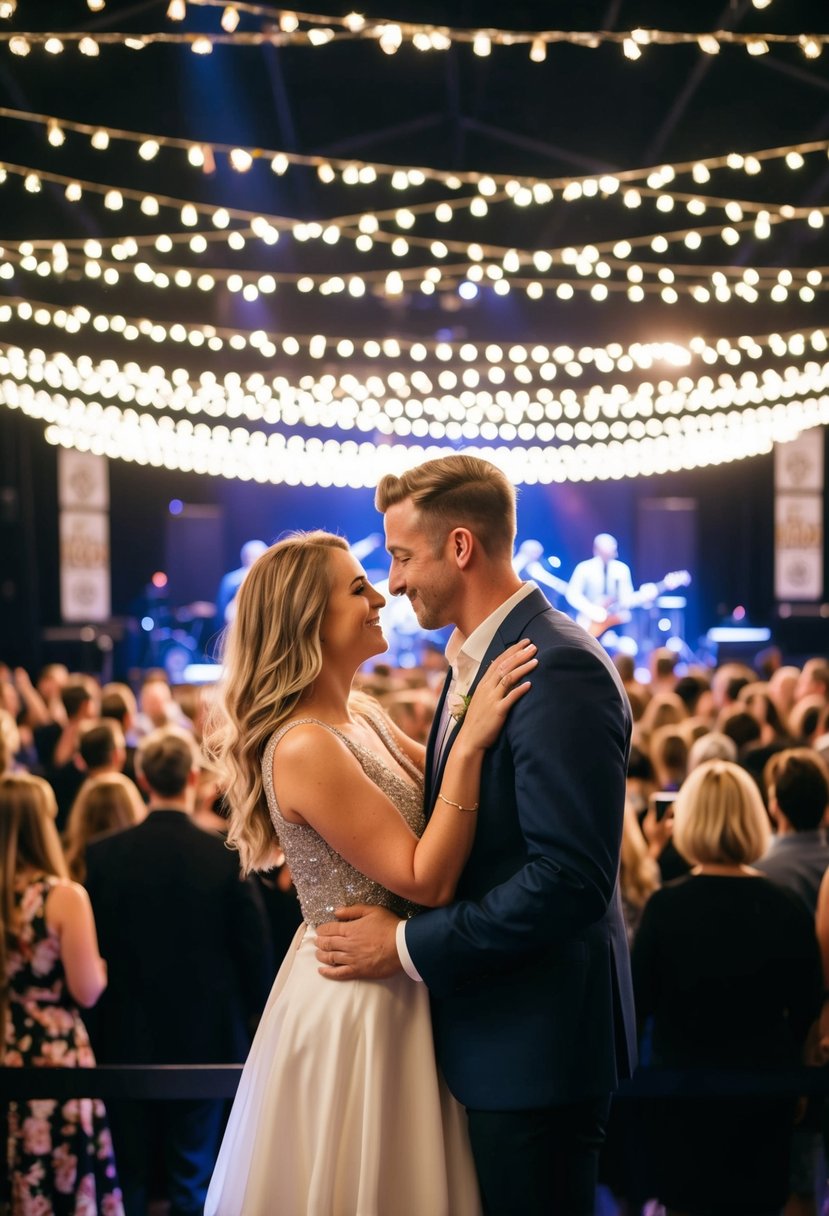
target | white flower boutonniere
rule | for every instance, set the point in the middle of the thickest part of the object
(457, 704)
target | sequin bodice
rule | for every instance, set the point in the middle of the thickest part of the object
(324, 880)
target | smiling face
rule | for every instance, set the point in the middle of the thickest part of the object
(351, 623)
(420, 569)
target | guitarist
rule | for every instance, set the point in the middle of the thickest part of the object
(599, 584)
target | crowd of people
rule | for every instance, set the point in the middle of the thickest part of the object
(130, 936)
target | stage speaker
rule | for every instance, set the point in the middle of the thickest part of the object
(194, 553)
(666, 541)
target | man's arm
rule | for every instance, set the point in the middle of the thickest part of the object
(569, 756)
(568, 750)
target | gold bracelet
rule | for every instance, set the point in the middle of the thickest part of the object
(443, 798)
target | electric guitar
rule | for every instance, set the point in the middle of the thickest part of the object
(618, 613)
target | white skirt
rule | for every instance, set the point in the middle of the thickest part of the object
(340, 1110)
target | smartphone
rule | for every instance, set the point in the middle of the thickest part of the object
(662, 801)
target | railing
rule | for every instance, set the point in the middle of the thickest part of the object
(172, 1081)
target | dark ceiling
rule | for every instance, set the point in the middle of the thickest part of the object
(581, 111)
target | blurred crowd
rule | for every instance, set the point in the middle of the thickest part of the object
(161, 952)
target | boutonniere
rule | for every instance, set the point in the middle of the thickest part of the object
(457, 705)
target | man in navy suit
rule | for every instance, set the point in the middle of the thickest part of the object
(528, 969)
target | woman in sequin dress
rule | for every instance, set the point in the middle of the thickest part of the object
(59, 1158)
(340, 1110)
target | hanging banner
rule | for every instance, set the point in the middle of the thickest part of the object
(83, 494)
(798, 517)
(798, 530)
(84, 566)
(83, 481)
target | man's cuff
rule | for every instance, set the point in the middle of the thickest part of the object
(404, 956)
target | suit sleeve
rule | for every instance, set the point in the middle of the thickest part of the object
(566, 758)
(252, 947)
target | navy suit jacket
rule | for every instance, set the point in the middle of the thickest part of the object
(528, 968)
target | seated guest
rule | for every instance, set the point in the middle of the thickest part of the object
(103, 804)
(57, 1154)
(797, 783)
(726, 966)
(189, 969)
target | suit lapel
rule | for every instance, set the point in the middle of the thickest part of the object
(431, 745)
(510, 630)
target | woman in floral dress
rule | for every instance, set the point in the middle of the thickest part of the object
(59, 1153)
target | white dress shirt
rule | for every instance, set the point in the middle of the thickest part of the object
(465, 656)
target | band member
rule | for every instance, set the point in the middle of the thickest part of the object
(599, 584)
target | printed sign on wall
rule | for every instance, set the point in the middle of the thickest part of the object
(798, 518)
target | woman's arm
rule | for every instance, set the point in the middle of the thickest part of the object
(318, 781)
(69, 914)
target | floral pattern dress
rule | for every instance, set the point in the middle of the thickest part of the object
(58, 1154)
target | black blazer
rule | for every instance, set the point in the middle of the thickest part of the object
(186, 942)
(528, 968)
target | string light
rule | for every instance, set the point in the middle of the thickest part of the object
(352, 172)
(390, 36)
(295, 460)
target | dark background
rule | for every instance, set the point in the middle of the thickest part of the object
(581, 111)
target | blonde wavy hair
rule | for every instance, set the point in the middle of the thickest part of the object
(271, 654)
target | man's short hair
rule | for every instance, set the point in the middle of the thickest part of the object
(457, 492)
(801, 787)
(165, 759)
(99, 743)
(74, 695)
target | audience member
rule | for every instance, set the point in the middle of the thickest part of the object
(189, 963)
(805, 718)
(726, 965)
(9, 741)
(157, 707)
(813, 680)
(58, 1154)
(669, 757)
(661, 664)
(726, 683)
(103, 804)
(694, 690)
(797, 784)
(782, 685)
(740, 726)
(664, 709)
(713, 746)
(757, 699)
(118, 702)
